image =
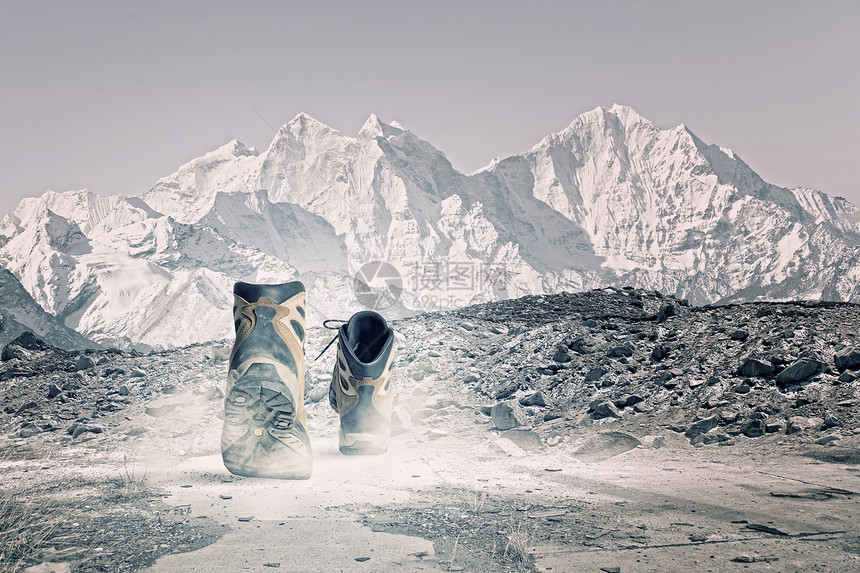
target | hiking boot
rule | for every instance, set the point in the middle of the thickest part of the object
(361, 390)
(265, 423)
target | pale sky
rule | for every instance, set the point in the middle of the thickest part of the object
(113, 95)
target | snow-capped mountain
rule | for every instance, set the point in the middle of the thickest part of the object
(20, 312)
(610, 200)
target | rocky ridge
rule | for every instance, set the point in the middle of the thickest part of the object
(535, 368)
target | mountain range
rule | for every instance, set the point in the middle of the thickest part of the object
(612, 200)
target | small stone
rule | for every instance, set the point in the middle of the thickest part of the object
(801, 370)
(739, 335)
(728, 417)
(773, 427)
(800, 423)
(828, 439)
(605, 409)
(742, 389)
(595, 374)
(536, 399)
(666, 311)
(703, 426)
(847, 376)
(273, 565)
(159, 411)
(753, 429)
(832, 422)
(608, 569)
(124, 391)
(622, 350)
(561, 354)
(642, 408)
(507, 415)
(54, 391)
(753, 367)
(659, 353)
(245, 518)
(847, 358)
(29, 430)
(84, 363)
(84, 428)
(658, 442)
(137, 373)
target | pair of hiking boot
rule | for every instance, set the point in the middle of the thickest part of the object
(265, 422)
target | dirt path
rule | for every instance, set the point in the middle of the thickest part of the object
(468, 501)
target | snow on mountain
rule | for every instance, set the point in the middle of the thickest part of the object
(611, 200)
(20, 313)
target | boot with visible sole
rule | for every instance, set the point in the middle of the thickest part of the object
(265, 423)
(361, 391)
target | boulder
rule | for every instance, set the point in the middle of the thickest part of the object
(703, 426)
(753, 367)
(605, 409)
(801, 370)
(507, 415)
(536, 399)
(847, 358)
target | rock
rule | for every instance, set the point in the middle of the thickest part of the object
(832, 422)
(728, 417)
(753, 367)
(739, 335)
(626, 401)
(84, 362)
(83, 428)
(469, 378)
(622, 350)
(605, 410)
(536, 399)
(26, 406)
(801, 370)
(159, 411)
(667, 310)
(578, 345)
(703, 426)
(742, 389)
(658, 442)
(507, 391)
(754, 429)
(800, 423)
(595, 374)
(507, 415)
(828, 439)
(561, 354)
(847, 376)
(773, 427)
(29, 430)
(847, 358)
(659, 353)
(642, 408)
(486, 410)
(124, 391)
(54, 391)
(137, 373)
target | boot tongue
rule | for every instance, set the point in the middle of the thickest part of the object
(279, 293)
(366, 341)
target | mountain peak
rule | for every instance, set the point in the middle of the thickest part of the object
(374, 127)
